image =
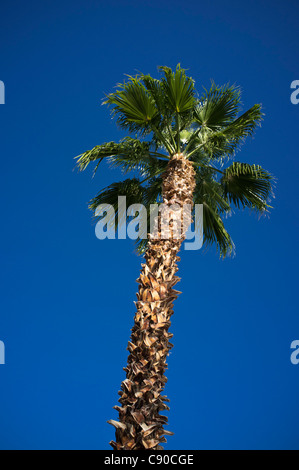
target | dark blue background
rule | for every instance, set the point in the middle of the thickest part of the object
(67, 298)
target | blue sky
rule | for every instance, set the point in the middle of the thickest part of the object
(67, 298)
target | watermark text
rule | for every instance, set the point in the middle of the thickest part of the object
(2, 352)
(295, 354)
(295, 95)
(163, 221)
(2, 92)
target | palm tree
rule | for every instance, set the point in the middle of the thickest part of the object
(179, 146)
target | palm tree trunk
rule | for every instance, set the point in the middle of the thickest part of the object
(140, 424)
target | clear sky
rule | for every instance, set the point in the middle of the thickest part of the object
(67, 297)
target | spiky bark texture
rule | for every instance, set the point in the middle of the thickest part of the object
(140, 424)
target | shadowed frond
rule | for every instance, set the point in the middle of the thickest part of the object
(131, 188)
(136, 155)
(129, 154)
(215, 233)
(210, 193)
(152, 195)
(135, 193)
(247, 186)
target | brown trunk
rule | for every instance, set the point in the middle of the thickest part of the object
(140, 424)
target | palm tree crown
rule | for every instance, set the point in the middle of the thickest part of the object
(166, 117)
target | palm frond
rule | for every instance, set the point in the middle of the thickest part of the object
(136, 155)
(131, 188)
(225, 142)
(178, 90)
(99, 152)
(248, 186)
(215, 232)
(135, 193)
(129, 154)
(218, 107)
(245, 125)
(209, 192)
(155, 90)
(133, 107)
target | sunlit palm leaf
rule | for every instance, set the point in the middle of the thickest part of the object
(242, 127)
(219, 106)
(225, 142)
(178, 90)
(134, 108)
(99, 152)
(155, 90)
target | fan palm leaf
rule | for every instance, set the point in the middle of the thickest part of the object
(133, 107)
(218, 107)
